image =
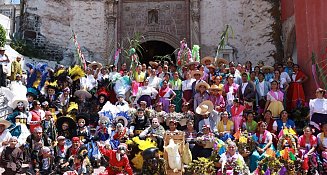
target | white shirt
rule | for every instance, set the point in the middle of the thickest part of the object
(244, 86)
(154, 82)
(5, 136)
(262, 88)
(268, 137)
(187, 84)
(285, 76)
(3, 60)
(323, 141)
(146, 90)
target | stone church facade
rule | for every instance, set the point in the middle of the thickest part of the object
(104, 25)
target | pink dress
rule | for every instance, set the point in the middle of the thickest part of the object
(237, 116)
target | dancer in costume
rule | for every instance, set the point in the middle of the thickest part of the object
(166, 95)
(237, 114)
(275, 99)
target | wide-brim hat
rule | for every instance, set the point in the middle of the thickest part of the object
(203, 60)
(206, 107)
(202, 83)
(83, 93)
(215, 87)
(154, 64)
(192, 62)
(2, 49)
(211, 66)
(221, 61)
(94, 63)
(267, 67)
(130, 97)
(33, 92)
(196, 72)
(4, 122)
(71, 122)
(103, 118)
(122, 118)
(18, 99)
(84, 116)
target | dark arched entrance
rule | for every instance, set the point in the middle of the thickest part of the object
(150, 49)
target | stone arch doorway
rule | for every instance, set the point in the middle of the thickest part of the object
(153, 48)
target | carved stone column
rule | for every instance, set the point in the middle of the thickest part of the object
(195, 22)
(111, 17)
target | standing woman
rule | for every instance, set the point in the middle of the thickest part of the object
(187, 89)
(295, 95)
(202, 93)
(318, 109)
(176, 85)
(146, 93)
(275, 99)
(166, 95)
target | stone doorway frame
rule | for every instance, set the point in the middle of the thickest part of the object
(163, 37)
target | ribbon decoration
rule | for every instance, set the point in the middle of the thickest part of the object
(81, 59)
(116, 57)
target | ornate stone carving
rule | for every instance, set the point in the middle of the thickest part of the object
(195, 22)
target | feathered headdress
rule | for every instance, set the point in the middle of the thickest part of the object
(76, 72)
(32, 77)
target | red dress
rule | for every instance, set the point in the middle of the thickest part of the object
(116, 167)
(36, 117)
(295, 95)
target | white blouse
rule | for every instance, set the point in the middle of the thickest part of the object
(187, 84)
(146, 90)
(318, 106)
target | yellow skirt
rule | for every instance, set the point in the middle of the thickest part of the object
(275, 107)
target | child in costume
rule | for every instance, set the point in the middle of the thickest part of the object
(48, 126)
(83, 131)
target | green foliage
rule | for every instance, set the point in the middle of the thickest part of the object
(202, 166)
(224, 38)
(21, 46)
(2, 36)
(134, 42)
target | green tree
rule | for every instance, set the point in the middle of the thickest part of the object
(2, 36)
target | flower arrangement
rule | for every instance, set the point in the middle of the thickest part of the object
(184, 54)
(246, 144)
(202, 166)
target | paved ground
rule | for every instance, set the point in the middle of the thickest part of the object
(25, 167)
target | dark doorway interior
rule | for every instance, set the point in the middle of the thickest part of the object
(155, 48)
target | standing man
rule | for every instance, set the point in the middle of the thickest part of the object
(246, 93)
(16, 68)
(4, 60)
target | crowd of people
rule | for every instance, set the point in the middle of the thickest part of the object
(74, 119)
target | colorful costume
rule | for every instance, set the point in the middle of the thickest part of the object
(237, 116)
(276, 99)
(295, 95)
(116, 166)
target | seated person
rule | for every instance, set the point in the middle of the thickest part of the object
(155, 132)
(204, 143)
(250, 125)
(225, 127)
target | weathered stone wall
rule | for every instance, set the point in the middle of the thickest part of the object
(48, 24)
(252, 22)
(171, 19)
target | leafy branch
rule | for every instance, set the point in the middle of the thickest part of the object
(224, 37)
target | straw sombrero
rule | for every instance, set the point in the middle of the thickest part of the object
(192, 62)
(5, 122)
(154, 64)
(206, 107)
(196, 72)
(203, 60)
(215, 87)
(202, 83)
(94, 63)
(83, 93)
(220, 61)
(267, 67)
(211, 66)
